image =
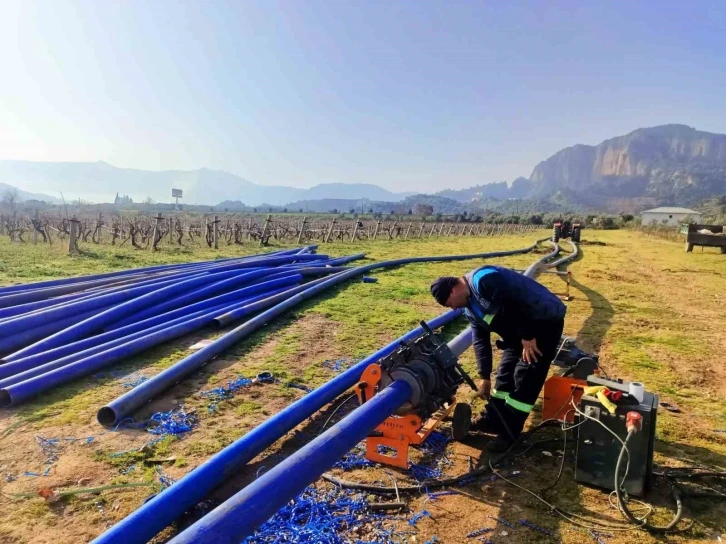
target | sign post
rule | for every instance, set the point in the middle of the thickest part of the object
(176, 193)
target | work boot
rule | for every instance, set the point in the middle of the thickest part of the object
(500, 444)
(484, 423)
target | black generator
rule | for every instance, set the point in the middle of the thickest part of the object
(598, 450)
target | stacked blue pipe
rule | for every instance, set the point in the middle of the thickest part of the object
(166, 507)
(57, 331)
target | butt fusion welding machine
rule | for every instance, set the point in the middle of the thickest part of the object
(610, 408)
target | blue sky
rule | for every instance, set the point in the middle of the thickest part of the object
(415, 96)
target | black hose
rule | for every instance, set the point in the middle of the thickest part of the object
(624, 507)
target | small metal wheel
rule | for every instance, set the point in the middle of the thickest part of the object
(461, 421)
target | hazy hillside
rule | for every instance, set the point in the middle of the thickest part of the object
(24, 196)
(100, 181)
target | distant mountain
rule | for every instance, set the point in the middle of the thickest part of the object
(669, 164)
(100, 181)
(24, 196)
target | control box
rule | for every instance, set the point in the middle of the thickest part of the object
(598, 450)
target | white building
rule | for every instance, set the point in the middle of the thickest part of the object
(669, 216)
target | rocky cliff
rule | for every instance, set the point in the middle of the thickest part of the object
(670, 163)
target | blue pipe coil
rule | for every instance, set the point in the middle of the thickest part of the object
(83, 348)
(162, 510)
(240, 515)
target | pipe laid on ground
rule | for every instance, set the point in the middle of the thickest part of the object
(94, 324)
(52, 376)
(41, 363)
(133, 271)
(122, 406)
(239, 516)
(162, 510)
(255, 282)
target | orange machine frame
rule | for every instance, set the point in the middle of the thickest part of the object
(557, 393)
(396, 432)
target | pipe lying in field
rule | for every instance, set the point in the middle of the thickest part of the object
(40, 363)
(239, 516)
(58, 372)
(163, 509)
(95, 324)
(137, 397)
(244, 512)
(135, 271)
(258, 282)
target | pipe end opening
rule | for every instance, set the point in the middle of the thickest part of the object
(5, 399)
(106, 416)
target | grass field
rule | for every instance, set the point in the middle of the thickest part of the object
(653, 313)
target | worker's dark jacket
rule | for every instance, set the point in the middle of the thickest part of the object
(509, 304)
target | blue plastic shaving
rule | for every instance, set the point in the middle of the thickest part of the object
(10, 478)
(597, 536)
(435, 444)
(132, 382)
(422, 473)
(173, 422)
(31, 474)
(386, 450)
(433, 540)
(127, 470)
(339, 365)
(417, 517)
(354, 459)
(299, 386)
(164, 480)
(435, 496)
(535, 527)
(219, 394)
(479, 532)
(504, 522)
(50, 447)
(329, 517)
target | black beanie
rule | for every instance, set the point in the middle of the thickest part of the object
(441, 288)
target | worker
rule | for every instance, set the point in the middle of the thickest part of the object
(529, 319)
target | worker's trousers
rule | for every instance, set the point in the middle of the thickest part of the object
(518, 383)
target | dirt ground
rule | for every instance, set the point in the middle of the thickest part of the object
(652, 312)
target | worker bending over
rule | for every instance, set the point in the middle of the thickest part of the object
(529, 319)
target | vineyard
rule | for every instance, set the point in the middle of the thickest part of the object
(149, 231)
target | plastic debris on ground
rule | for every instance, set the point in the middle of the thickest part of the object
(503, 522)
(338, 366)
(173, 422)
(535, 527)
(354, 459)
(164, 480)
(225, 392)
(331, 517)
(50, 447)
(418, 516)
(479, 532)
(132, 380)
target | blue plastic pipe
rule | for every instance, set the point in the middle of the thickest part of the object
(52, 376)
(134, 271)
(94, 324)
(259, 282)
(11, 344)
(163, 509)
(240, 515)
(40, 363)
